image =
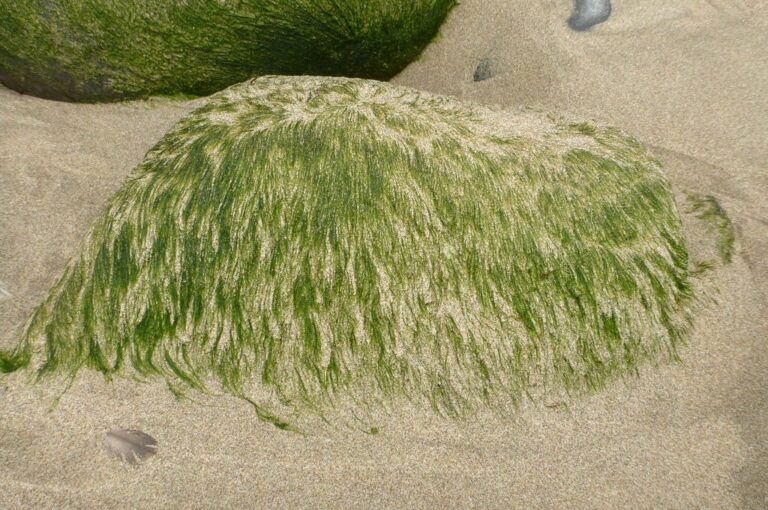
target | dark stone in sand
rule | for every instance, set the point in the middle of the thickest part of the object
(486, 69)
(588, 13)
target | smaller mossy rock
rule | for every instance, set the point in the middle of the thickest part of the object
(107, 50)
(299, 240)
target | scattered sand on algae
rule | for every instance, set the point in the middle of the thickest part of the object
(312, 243)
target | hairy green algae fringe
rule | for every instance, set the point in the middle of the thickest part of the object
(708, 208)
(106, 50)
(303, 241)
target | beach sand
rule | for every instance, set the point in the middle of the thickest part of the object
(688, 78)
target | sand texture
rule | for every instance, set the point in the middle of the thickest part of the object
(688, 78)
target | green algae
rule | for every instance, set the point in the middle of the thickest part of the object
(708, 208)
(306, 242)
(100, 50)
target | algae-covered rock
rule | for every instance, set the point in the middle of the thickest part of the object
(302, 239)
(105, 50)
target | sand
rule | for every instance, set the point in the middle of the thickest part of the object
(688, 78)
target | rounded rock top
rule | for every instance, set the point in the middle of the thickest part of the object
(297, 240)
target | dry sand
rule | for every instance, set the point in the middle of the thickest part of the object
(689, 78)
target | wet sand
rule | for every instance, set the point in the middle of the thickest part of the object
(688, 78)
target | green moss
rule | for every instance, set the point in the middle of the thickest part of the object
(10, 362)
(102, 50)
(584, 128)
(707, 208)
(303, 241)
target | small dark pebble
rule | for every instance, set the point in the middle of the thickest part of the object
(486, 69)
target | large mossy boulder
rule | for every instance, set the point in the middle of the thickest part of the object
(297, 240)
(100, 50)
